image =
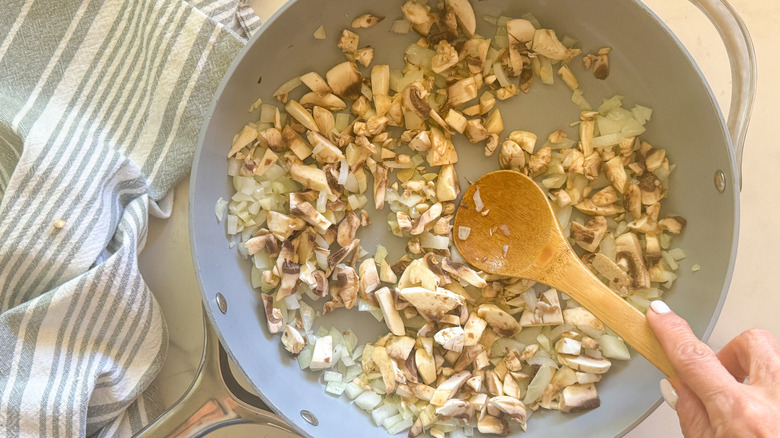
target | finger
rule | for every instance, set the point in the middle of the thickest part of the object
(694, 361)
(753, 353)
(693, 416)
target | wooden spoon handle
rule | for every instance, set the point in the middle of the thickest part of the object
(624, 319)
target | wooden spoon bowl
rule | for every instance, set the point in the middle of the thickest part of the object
(516, 233)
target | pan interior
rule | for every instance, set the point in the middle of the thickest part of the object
(648, 67)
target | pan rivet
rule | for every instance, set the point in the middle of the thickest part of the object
(310, 418)
(720, 180)
(221, 303)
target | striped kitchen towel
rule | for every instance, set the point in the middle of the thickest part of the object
(101, 103)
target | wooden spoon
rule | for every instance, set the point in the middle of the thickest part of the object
(537, 249)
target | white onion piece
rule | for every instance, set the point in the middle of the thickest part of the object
(463, 232)
(505, 250)
(478, 205)
(504, 229)
(219, 209)
(538, 384)
(343, 172)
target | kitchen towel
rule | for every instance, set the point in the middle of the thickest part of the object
(101, 104)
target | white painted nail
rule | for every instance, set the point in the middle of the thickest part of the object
(659, 306)
(668, 392)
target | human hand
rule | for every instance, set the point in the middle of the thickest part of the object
(709, 395)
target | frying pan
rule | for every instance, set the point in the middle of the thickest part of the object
(649, 66)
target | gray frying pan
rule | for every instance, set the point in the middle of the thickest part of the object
(649, 66)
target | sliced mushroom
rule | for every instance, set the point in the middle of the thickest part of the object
(432, 305)
(345, 80)
(427, 219)
(465, 14)
(511, 156)
(290, 273)
(338, 256)
(492, 425)
(265, 241)
(579, 316)
(273, 315)
(345, 286)
(616, 174)
(588, 207)
(507, 405)
(366, 21)
(547, 44)
(301, 114)
(463, 272)
(462, 91)
(652, 188)
(589, 236)
(324, 150)
(282, 225)
(468, 356)
(585, 363)
(446, 56)
(295, 142)
(292, 340)
(423, 357)
(442, 150)
(540, 162)
(568, 346)
(380, 186)
(347, 229)
(618, 279)
(400, 347)
(673, 224)
(629, 257)
(475, 131)
(579, 397)
(386, 367)
(391, 315)
(328, 101)
(308, 213)
(449, 387)
(450, 338)
(369, 278)
(473, 329)
(319, 284)
(458, 409)
(316, 83)
(504, 324)
(323, 353)
(546, 311)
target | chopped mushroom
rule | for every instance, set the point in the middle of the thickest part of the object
(504, 324)
(391, 315)
(672, 224)
(273, 315)
(433, 305)
(618, 279)
(458, 409)
(366, 21)
(345, 80)
(579, 397)
(589, 236)
(323, 353)
(492, 425)
(450, 338)
(510, 406)
(629, 257)
(449, 387)
(546, 311)
(292, 340)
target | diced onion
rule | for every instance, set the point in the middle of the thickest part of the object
(401, 27)
(538, 384)
(320, 33)
(219, 209)
(478, 205)
(463, 232)
(343, 172)
(613, 348)
(504, 229)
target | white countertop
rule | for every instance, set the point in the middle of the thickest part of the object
(753, 299)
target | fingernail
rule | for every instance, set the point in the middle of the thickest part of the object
(668, 392)
(659, 306)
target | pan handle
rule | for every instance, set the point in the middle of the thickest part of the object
(742, 57)
(213, 400)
